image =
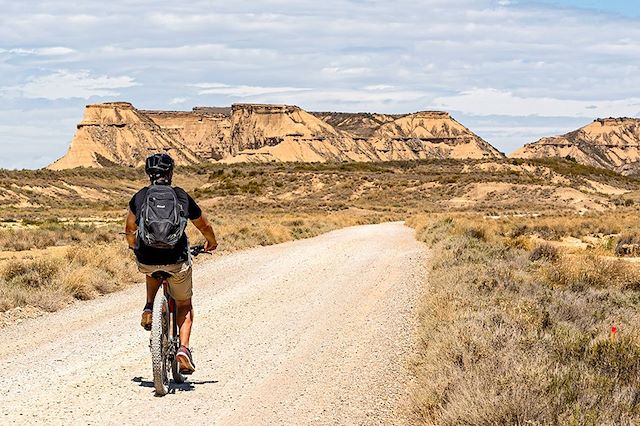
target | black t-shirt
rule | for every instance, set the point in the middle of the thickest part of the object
(155, 256)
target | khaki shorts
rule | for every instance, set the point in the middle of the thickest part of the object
(180, 281)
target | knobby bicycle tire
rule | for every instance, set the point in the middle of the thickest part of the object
(160, 344)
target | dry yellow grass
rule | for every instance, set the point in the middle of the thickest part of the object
(513, 338)
(51, 283)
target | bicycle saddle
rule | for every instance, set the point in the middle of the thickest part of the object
(160, 275)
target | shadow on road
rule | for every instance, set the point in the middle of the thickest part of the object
(187, 386)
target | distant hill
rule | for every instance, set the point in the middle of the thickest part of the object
(611, 143)
(118, 133)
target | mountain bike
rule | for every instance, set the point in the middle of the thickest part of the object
(165, 334)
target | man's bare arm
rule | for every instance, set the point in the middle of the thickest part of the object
(130, 229)
(206, 230)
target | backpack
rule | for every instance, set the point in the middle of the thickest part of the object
(162, 220)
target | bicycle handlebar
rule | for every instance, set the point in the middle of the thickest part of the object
(196, 250)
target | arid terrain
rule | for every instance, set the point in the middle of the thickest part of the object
(52, 220)
(518, 263)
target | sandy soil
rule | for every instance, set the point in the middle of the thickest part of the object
(310, 332)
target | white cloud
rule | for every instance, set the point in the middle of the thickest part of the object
(352, 72)
(203, 52)
(178, 101)
(41, 51)
(376, 87)
(378, 98)
(53, 51)
(497, 102)
(66, 84)
(242, 91)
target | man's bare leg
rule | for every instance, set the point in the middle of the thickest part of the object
(185, 320)
(152, 288)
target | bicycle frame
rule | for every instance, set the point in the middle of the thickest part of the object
(174, 330)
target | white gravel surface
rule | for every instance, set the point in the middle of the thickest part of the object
(318, 331)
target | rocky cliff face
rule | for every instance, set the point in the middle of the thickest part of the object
(611, 143)
(429, 134)
(117, 133)
(206, 131)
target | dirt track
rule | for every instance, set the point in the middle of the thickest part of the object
(310, 332)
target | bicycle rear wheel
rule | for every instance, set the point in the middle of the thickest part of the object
(175, 372)
(160, 344)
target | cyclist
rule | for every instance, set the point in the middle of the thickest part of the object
(171, 259)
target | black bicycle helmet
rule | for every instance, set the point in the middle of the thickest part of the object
(159, 166)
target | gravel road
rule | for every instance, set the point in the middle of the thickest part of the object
(317, 331)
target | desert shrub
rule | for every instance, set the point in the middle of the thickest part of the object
(30, 273)
(545, 252)
(23, 239)
(31, 282)
(86, 282)
(521, 242)
(623, 202)
(432, 231)
(518, 230)
(113, 263)
(47, 298)
(475, 232)
(578, 272)
(627, 245)
(216, 174)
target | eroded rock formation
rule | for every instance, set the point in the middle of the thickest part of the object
(611, 143)
(118, 133)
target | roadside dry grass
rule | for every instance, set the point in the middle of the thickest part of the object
(50, 283)
(517, 336)
(33, 234)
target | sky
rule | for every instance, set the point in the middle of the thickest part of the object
(512, 71)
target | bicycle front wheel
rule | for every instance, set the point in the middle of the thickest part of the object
(160, 344)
